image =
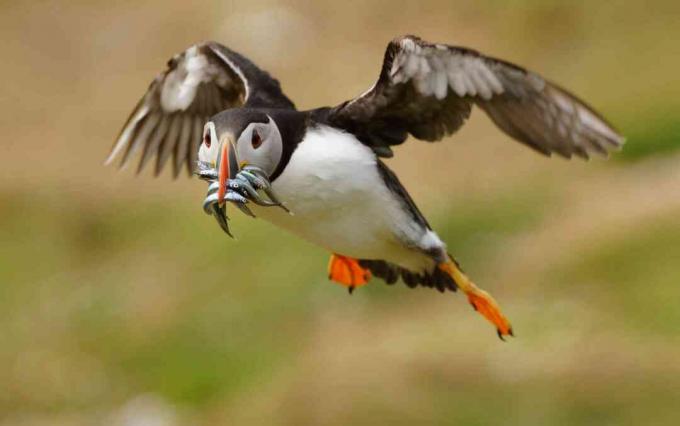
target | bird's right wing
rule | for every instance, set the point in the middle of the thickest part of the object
(205, 79)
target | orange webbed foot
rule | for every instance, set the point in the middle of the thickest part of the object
(347, 271)
(480, 300)
(483, 303)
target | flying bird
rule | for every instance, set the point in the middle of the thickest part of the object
(320, 173)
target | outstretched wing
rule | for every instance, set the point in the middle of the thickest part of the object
(203, 80)
(428, 90)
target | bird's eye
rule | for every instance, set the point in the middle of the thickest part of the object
(256, 140)
(206, 140)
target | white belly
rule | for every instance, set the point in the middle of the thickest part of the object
(340, 202)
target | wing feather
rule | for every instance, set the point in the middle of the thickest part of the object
(168, 146)
(427, 90)
(182, 146)
(154, 142)
(194, 143)
(144, 128)
(197, 84)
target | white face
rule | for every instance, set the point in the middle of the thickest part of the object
(259, 144)
(209, 149)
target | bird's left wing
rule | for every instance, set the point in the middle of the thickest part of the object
(428, 90)
(203, 80)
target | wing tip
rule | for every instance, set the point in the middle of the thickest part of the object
(619, 142)
(109, 159)
(120, 144)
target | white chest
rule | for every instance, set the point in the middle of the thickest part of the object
(339, 200)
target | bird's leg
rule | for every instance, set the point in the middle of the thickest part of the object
(480, 300)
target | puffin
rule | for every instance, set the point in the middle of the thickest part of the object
(320, 174)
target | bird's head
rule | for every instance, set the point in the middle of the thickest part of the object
(245, 137)
(237, 138)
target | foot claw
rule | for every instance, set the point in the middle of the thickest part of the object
(483, 303)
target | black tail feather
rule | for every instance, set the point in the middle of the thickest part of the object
(390, 273)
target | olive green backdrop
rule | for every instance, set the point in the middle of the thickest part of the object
(122, 304)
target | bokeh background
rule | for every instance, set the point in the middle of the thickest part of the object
(122, 304)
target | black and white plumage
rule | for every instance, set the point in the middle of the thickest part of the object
(428, 90)
(324, 164)
(205, 79)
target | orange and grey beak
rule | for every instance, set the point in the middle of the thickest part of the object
(227, 166)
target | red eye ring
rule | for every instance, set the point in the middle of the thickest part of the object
(255, 139)
(206, 140)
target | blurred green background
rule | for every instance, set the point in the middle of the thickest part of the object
(122, 304)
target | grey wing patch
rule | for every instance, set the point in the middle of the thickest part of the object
(428, 90)
(198, 83)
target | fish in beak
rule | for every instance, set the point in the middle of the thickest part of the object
(248, 179)
(227, 168)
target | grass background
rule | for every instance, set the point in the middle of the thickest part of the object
(121, 303)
